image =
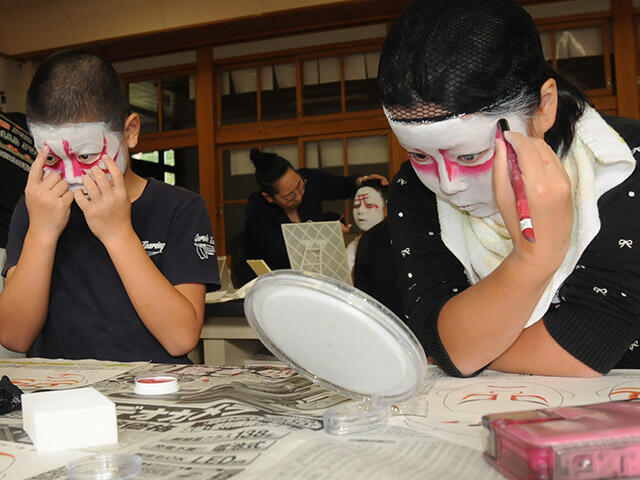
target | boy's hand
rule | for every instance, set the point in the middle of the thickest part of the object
(108, 208)
(550, 201)
(48, 200)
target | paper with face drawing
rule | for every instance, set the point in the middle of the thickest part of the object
(454, 406)
(46, 374)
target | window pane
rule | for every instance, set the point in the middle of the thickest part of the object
(233, 224)
(187, 169)
(278, 91)
(321, 93)
(239, 101)
(289, 152)
(143, 100)
(361, 81)
(169, 158)
(580, 55)
(178, 103)
(238, 174)
(547, 47)
(170, 178)
(151, 157)
(325, 154)
(184, 172)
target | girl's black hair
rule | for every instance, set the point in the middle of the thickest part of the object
(445, 58)
(270, 167)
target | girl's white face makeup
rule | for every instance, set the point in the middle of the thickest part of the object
(454, 158)
(74, 149)
(368, 208)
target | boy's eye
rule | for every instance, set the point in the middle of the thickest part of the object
(420, 157)
(88, 157)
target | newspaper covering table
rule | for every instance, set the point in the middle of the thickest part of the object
(266, 422)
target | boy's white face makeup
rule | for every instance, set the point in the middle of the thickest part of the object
(74, 149)
(454, 158)
(368, 208)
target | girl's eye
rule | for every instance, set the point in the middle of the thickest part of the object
(469, 157)
(474, 157)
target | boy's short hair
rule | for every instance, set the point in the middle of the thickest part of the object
(72, 86)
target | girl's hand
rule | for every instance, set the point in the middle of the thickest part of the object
(48, 200)
(108, 208)
(548, 191)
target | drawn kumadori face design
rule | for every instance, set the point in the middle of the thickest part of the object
(506, 395)
(74, 149)
(368, 208)
(454, 158)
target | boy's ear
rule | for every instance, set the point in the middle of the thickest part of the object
(132, 130)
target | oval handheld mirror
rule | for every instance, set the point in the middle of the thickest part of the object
(341, 339)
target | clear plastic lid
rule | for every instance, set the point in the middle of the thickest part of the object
(336, 336)
(106, 466)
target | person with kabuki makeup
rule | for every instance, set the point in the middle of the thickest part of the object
(374, 270)
(476, 292)
(101, 263)
(288, 195)
(369, 209)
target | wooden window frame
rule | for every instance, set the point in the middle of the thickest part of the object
(296, 56)
(162, 140)
(605, 23)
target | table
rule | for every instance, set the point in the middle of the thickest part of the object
(265, 422)
(227, 338)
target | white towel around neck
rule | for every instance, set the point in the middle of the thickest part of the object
(597, 161)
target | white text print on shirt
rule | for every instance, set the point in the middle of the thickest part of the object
(153, 248)
(205, 245)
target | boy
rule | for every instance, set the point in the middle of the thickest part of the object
(101, 263)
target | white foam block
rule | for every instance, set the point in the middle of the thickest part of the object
(68, 419)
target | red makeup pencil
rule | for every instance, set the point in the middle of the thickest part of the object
(526, 225)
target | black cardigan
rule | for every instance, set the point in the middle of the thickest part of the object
(263, 219)
(598, 319)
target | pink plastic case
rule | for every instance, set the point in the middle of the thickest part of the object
(588, 442)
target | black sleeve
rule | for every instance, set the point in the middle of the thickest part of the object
(429, 274)
(17, 231)
(332, 187)
(264, 236)
(190, 255)
(599, 314)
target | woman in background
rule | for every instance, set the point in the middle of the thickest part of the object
(288, 195)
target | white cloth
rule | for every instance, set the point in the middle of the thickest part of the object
(351, 253)
(597, 161)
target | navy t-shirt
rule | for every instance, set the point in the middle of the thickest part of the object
(90, 314)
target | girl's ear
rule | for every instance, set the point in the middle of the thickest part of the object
(545, 115)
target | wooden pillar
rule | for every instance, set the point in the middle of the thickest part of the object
(624, 45)
(206, 141)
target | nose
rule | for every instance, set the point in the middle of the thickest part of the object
(451, 182)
